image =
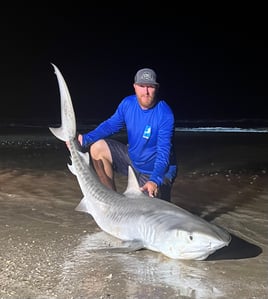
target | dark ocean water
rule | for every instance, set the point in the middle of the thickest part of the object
(197, 125)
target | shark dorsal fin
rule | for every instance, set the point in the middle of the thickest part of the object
(133, 188)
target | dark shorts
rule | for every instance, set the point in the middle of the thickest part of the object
(121, 161)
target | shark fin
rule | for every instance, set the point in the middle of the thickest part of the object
(133, 245)
(71, 168)
(59, 133)
(82, 206)
(67, 130)
(133, 188)
(128, 246)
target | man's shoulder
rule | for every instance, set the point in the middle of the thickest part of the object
(129, 98)
(127, 103)
(163, 105)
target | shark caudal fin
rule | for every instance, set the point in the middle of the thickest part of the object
(67, 131)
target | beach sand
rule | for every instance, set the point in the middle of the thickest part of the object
(49, 250)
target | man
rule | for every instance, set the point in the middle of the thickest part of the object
(149, 124)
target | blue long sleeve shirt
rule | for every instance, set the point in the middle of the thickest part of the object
(149, 132)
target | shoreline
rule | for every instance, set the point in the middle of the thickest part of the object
(212, 151)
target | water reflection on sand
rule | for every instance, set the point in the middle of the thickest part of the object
(136, 275)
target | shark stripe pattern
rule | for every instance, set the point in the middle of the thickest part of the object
(152, 224)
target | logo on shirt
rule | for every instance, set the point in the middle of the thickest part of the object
(147, 132)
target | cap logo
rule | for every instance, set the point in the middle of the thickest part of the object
(147, 76)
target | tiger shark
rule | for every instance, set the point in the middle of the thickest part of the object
(131, 216)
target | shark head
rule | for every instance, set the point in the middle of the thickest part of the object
(173, 231)
(193, 244)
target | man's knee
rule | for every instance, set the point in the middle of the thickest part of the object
(100, 150)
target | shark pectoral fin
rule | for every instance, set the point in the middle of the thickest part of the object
(133, 245)
(128, 246)
(133, 188)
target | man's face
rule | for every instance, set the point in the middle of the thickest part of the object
(146, 95)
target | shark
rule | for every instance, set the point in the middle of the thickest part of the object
(131, 216)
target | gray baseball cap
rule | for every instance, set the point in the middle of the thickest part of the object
(145, 77)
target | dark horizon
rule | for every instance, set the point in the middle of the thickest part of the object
(208, 68)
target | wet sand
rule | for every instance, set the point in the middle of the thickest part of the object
(48, 250)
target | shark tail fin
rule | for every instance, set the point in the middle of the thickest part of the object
(58, 132)
(67, 131)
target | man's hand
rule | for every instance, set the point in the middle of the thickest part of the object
(151, 188)
(80, 138)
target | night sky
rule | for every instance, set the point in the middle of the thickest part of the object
(208, 67)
